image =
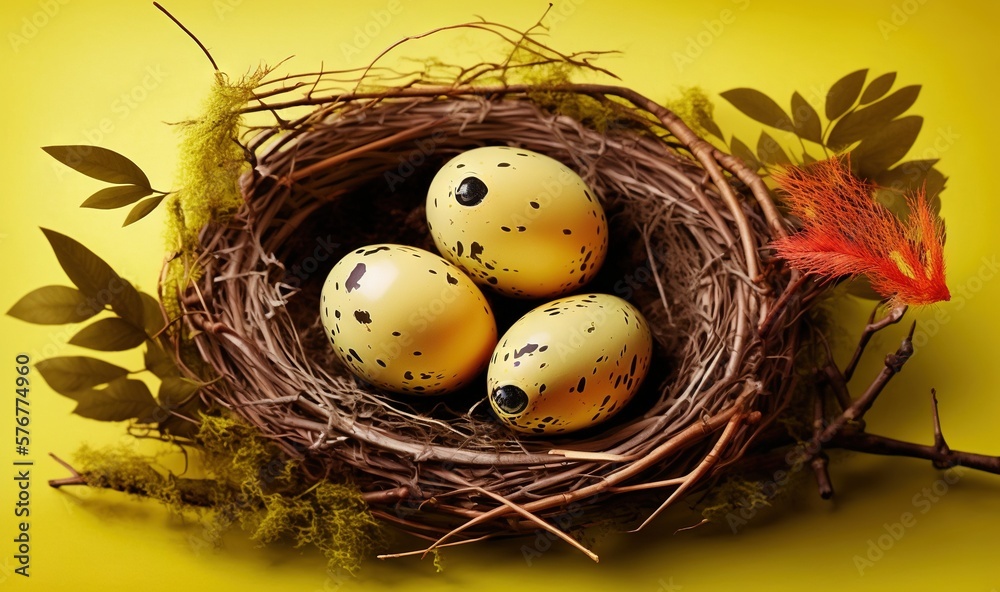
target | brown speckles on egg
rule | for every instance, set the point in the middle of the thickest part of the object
(354, 280)
(586, 380)
(363, 317)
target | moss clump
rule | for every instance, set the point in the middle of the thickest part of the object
(251, 482)
(211, 162)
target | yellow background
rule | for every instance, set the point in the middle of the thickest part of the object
(71, 71)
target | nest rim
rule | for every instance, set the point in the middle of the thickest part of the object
(439, 492)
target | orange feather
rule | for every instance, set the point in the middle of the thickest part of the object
(846, 232)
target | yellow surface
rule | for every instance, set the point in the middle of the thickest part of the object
(65, 84)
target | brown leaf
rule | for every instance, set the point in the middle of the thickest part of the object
(769, 151)
(744, 153)
(123, 399)
(53, 305)
(877, 88)
(760, 107)
(868, 120)
(99, 163)
(118, 196)
(143, 209)
(95, 278)
(112, 334)
(889, 145)
(844, 93)
(806, 120)
(68, 374)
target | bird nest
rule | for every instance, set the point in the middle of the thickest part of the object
(689, 230)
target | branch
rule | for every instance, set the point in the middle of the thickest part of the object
(942, 459)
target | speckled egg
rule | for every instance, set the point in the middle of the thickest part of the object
(518, 221)
(406, 320)
(569, 364)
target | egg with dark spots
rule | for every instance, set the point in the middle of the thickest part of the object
(407, 320)
(520, 222)
(569, 364)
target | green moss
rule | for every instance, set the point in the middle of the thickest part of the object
(253, 484)
(211, 163)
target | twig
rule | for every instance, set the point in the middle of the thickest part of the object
(820, 463)
(893, 364)
(894, 315)
(939, 444)
(189, 33)
(75, 479)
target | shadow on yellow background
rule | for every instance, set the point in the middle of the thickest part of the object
(115, 73)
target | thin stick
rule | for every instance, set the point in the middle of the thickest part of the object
(893, 364)
(189, 33)
(703, 467)
(939, 444)
(518, 509)
(894, 315)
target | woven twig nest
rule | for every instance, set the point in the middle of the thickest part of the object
(689, 227)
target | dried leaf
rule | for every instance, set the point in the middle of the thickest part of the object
(99, 163)
(866, 121)
(806, 120)
(877, 88)
(770, 151)
(760, 107)
(175, 390)
(118, 196)
(53, 305)
(711, 127)
(844, 93)
(122, 399)
(744, 153)
(152, 314)
(889, 145)
(68, 374)
(111, 334)
(95, 278)
(159, 362)
(143, 209)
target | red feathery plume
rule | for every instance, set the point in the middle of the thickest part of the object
(846, 232)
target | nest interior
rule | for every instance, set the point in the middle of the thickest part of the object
(688, 226)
